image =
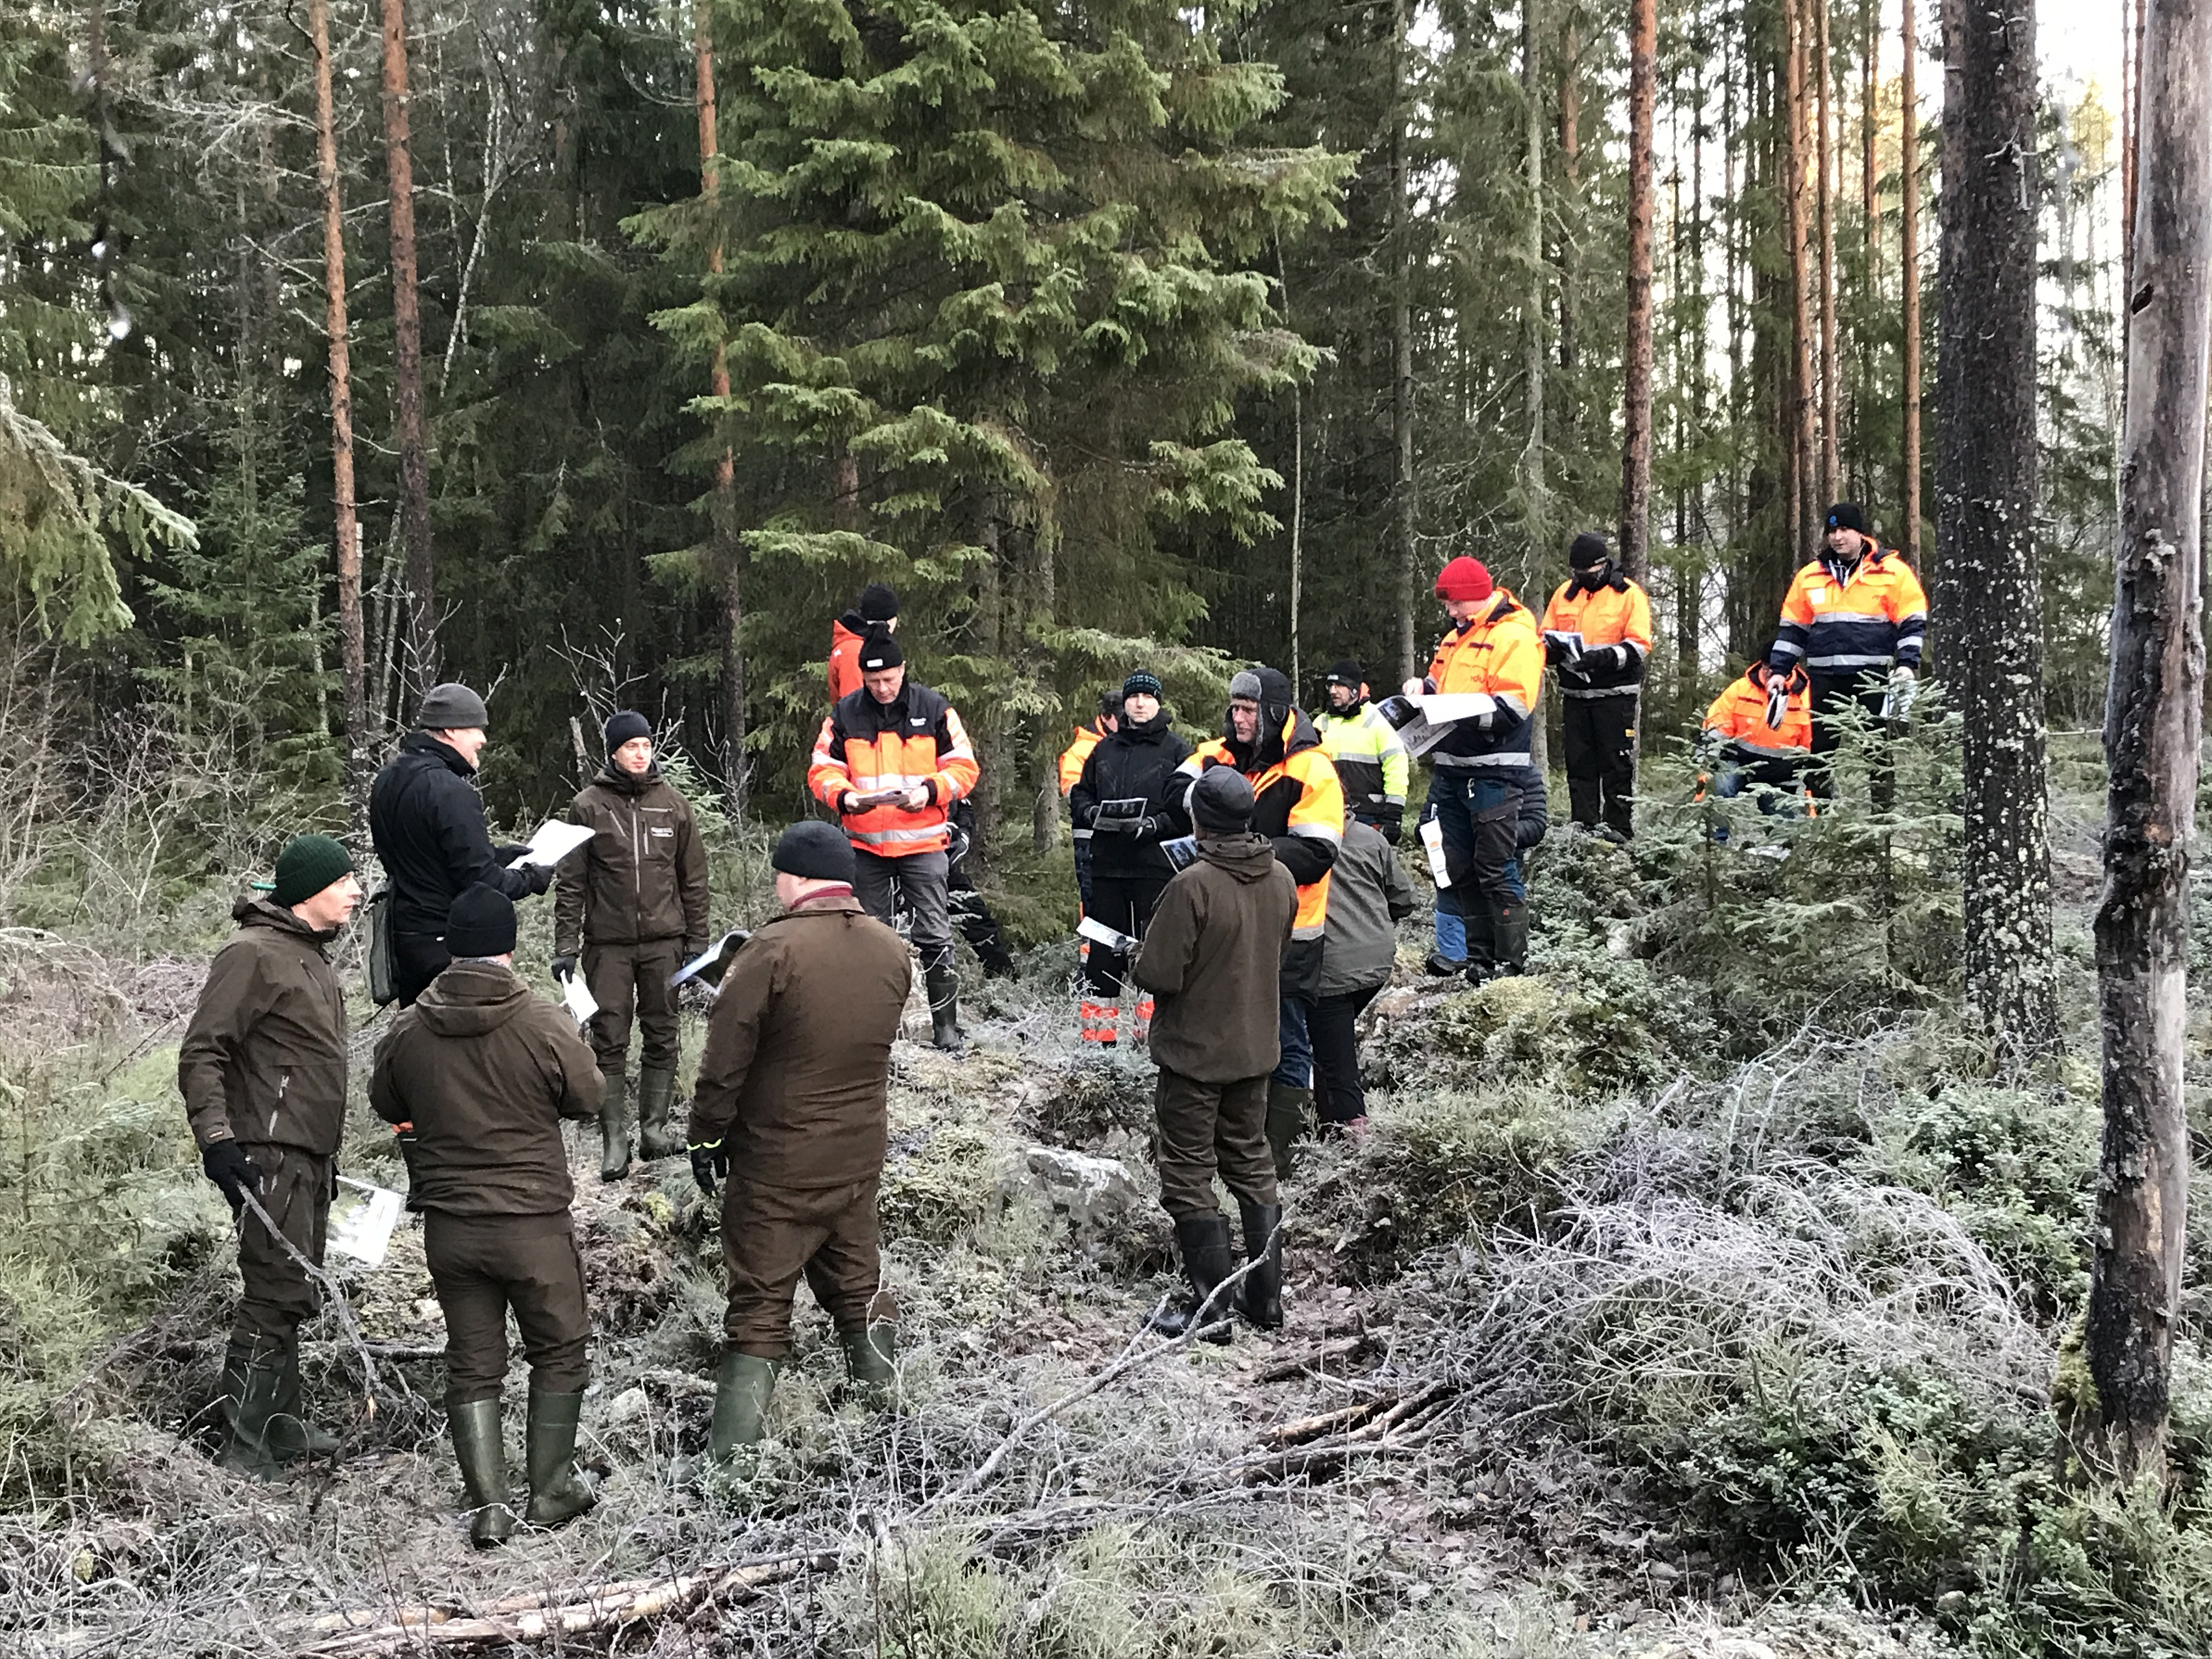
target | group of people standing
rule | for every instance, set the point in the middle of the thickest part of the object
(1248, 886)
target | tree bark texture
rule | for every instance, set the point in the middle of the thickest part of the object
(1908, 136)
(1636, 362)
(353, 648)
(726, 556)
(1985, 495)
(1570, 182)
(1802, 435)
(1825, 146)
(1401, 342)
(407, 361)
(2152, 728)
(1534, 365)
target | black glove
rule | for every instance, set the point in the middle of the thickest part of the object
(507, 851)
(1150, 829)
(710, 1159)
(540, 878)
(1393, 829)
(231, 1170)
(564, 969)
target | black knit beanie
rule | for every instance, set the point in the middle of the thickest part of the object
(481, 923)
(623, 726)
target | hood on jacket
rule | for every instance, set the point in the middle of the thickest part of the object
(470, 999)
(258, 910)
(1151, 731)
(1284, 728)
(422, 742)
(1247, 857)
(621, 781)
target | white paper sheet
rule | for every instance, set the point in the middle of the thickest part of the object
(554, 842)
(1099, 933)
(361, 1219)
(579, 999)
(1442, 710)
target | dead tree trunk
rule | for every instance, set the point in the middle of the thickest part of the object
(1636, 360)
(407, 359)
(1908, 134)
(726, 557)
(1401, 343)
(2153, 727)
(353, 649)
(1986, 494)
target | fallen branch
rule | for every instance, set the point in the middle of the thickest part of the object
(537, 1618)
(1282, 1370)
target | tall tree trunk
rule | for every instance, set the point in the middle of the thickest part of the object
(353, 648)
(726, 556)
(1870, 224)
(1534, 367)
(1824, 151)
(1908, 135)
(1570, 183)
(1802, 435)
(1636, 362)
(1401, 342)
(1985, 495)
(2153, 727)
(407, 360)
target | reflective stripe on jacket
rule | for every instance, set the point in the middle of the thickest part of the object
(916, 740)
(1615, 612)
(1371, 758)
(1738, 717)
(1500, 653)
(1841, 621)
(1298, 804)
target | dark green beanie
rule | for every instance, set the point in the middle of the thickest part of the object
(307, 866)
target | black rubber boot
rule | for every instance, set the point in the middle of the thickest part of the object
(252, 1390)
(614, 1127)
(872, 1361)
(1481, 939)
(944, 984)
(656, 1090)
(1206, 1260)
(1440, 966)
(558, 1492)
(1260, 1298)
(1508, 923)
(1289, 1114)
(743, 1384)
(481, 1455)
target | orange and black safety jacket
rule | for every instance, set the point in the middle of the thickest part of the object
(1298, 804)
(1073, 756)
(1840, 620)
(1614, 620)
(847, 635)
(1500, 653)
(866, 747)
(1735, 726)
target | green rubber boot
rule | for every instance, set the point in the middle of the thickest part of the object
(743, 1384)
(291, 1436)
(558, 1492)
(656, 1089)
(872, 1361)
(614, 1127)
(252, 1390)
(479, 1448)
(1289, 1112)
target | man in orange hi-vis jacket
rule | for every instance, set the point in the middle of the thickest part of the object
(1597, 634)
(891, 760)
(1743, 742)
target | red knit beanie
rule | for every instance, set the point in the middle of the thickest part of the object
(1464, 578)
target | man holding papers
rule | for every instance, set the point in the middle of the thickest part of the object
(427, 822)
(1597, 633)
(633, 907)
(1492, 652)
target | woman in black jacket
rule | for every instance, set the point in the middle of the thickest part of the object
(1121, 798)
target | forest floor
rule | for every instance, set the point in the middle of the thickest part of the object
(1606, 1342)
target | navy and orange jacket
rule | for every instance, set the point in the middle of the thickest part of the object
(1615, 612)
(1737, 719)
(1840, 621)
(1500, 653)
(866, 747)
(1297, 804)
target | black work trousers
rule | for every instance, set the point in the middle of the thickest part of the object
(1599, 736)
(1333, 1025)
(1125, 903)
(1833, 698)
(973, 921)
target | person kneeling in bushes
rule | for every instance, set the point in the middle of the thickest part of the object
(1212, 958)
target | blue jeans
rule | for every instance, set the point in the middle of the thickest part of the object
(1481, 817)
(1451, 932)
(1776, 790)
(1295, 1069)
